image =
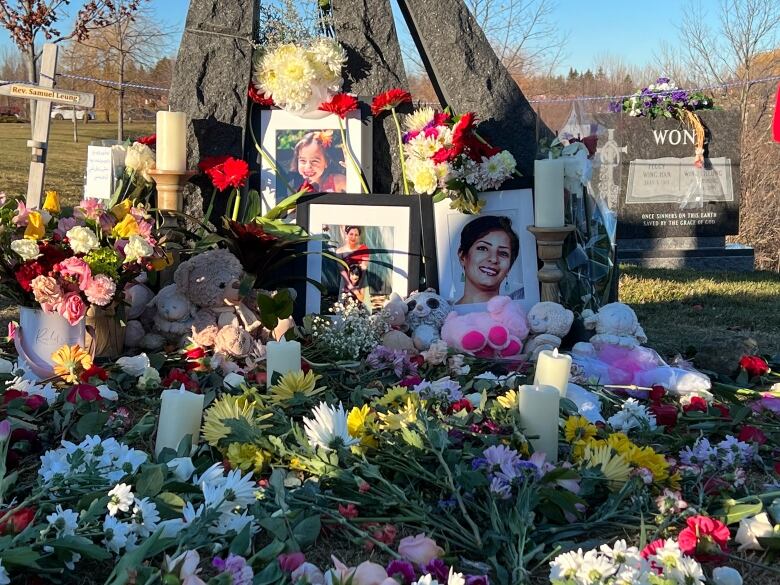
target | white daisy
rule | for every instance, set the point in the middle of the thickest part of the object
(121, 498)
(64, 522)
(566, 566)
(146, 516)
(116, 533)
(328, 428)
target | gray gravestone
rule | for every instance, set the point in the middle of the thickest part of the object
(367, 33)
(468, 76)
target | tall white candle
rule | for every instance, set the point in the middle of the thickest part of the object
(539, 417)
(181, 412)
(172, 141)
(282, 357)
(553, 369)
(548, 193)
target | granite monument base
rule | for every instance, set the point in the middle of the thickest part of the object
(706, 253)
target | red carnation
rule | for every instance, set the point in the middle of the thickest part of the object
(704, 539)
(441, 118)
(389, 100)
(340, 104)
(94, 372)
(259, 97)
(150, 141)
(754, 365)
(27, 272)
(462, 404)
(657, 392)
(349, 511)
(225, 171)
(463, 129)
(306, 187)
(652, 548)
(444, 155)
(751, 434)
(665, 414)
(210, 162)
(86, 392)
(50, 255)
(18, 521)
(697, 403)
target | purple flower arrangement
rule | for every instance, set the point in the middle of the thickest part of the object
(662, 99)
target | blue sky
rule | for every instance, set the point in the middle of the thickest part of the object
(593, 28)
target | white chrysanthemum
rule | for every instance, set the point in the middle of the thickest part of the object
(632, 415)
(331, 54)
(27, 249)
(566, 565)
(286, 73)
(669, 555)
(687, 571)
(419, 119)
(229, 492)
(64, 521)
(595, 568)
(234, 523)
(137, 248)
(116, 534)
(422, 147)
(423, 176)
(120, 499)
(82, 239)
(140, 159)
(328, 428)
(145, 516)
(30, 388)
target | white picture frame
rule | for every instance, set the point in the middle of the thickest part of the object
(276, 124)
(515, 204)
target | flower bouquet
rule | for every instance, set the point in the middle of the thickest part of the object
(136, 183)
(70, 262)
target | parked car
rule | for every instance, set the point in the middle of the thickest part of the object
(66, 113)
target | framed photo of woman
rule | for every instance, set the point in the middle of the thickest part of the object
(377, 241)
(490, 254)
(297, 149)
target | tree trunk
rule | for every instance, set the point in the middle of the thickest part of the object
(120, 116)
(28, 55)
(75, 126)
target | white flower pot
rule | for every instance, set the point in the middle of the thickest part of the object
(40, 334)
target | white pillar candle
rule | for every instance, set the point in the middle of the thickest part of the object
(181, 412)
(282, 357)
(172, 141)
(553, 369)
(548, 193)
(539, 417)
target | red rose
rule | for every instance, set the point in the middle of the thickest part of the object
(150, 141)
(225, 171)
(389, 100)
(259, 97)
(723, 409)
(754, 365)
(704, 538)
(665, 414)
(195, 353)
(657, 392)
(34, 402)
(697, 403)
(27, 272)
(751, 434)
(462, 404)
(340, 104)
(176, 377)
(86, 392)
(94, 372)
(18, 521)
(13, 394)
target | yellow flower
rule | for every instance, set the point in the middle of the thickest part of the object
(247, 457)
(225, 408)
(646, 457)
(577, 428)
(297, 464)
(406, 416)
(613, 466)
(620, 443)
(70, 361)
(127, 227)
(36, 228)
(360, 423)
(121, 209)
(52, 202)
(509, 400)
(395, 396)
(159, 264)
(293, 385)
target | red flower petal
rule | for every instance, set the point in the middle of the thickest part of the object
(390, 99)
(259, 97)
(340, 104)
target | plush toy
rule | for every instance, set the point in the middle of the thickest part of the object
(138, 315)
(549, 323)
(615, 324)
(211, 281)
(426, 314)
(497, 332)
(172, 321)
(393, 315)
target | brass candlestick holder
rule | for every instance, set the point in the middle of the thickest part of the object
(170, 201)
(549, 246)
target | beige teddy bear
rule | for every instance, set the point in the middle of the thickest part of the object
(173, 319)
(393, 315)
(211, 282)
(549, 323)
(615, 324)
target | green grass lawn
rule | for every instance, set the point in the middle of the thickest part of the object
(66, 161)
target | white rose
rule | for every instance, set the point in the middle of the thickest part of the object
(82, 240)
(751, 529)
(140, 159)
(27, 249)
(181, 467)
(6, 367)
(726, 576)
(149, 379)
(233, 380)
(134, 366)
(137, 248)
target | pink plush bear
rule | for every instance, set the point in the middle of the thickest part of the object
(497, 332)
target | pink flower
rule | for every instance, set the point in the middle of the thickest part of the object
(368, 573)
(90, 209)
(419, 549)
(73, 308)
(47, 292)
(107, 222)
(100, 290)
(145, 229)
(22, 213)
(64, 224)
(76, 270)
(12, 325)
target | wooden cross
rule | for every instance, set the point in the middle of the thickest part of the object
(44, 94)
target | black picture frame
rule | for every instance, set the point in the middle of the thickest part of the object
(414, 219)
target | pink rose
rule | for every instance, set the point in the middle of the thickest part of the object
(75, 269)
(100, 290)
(312, 574)
(145, 230)
(368, 573)
(419, 549)
(47, 292)
(73, 308)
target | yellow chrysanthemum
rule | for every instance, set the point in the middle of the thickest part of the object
(360, 424)
(36, 228)
(246, 457)
(228, 408)
(127, 227)
(613, 466)
(52, 202)
(674, 480)
(402, 418)
(70, 361)
(509, 400)
(394, 397)
(646, 457)
(418, 119)
(295, 384)
(620, 443)
(577, 428)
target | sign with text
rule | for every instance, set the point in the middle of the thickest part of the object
(59, 96)
(104, 163)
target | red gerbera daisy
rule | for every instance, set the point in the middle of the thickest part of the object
(225, 171)
(390, 99)
(340, 104)
(150, 141)
(259, 97)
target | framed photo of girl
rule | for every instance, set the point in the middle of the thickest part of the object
(298, 149)
(378, 241)
(489, 254)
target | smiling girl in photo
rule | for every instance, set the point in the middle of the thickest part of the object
(317, 161)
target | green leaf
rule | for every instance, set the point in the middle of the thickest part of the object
(90, 424)
(306, 531)
(268, 553)
(241, 542)
(412, 438)
(81, 545)
(271, 574)
(151, 480)
(23, 556)
(731, 514)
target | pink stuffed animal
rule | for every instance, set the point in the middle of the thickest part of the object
(497, 332)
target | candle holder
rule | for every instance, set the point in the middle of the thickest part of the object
(170, 188)
(549, 246)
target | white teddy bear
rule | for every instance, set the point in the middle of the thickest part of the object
(549, 324)
(615, 324)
